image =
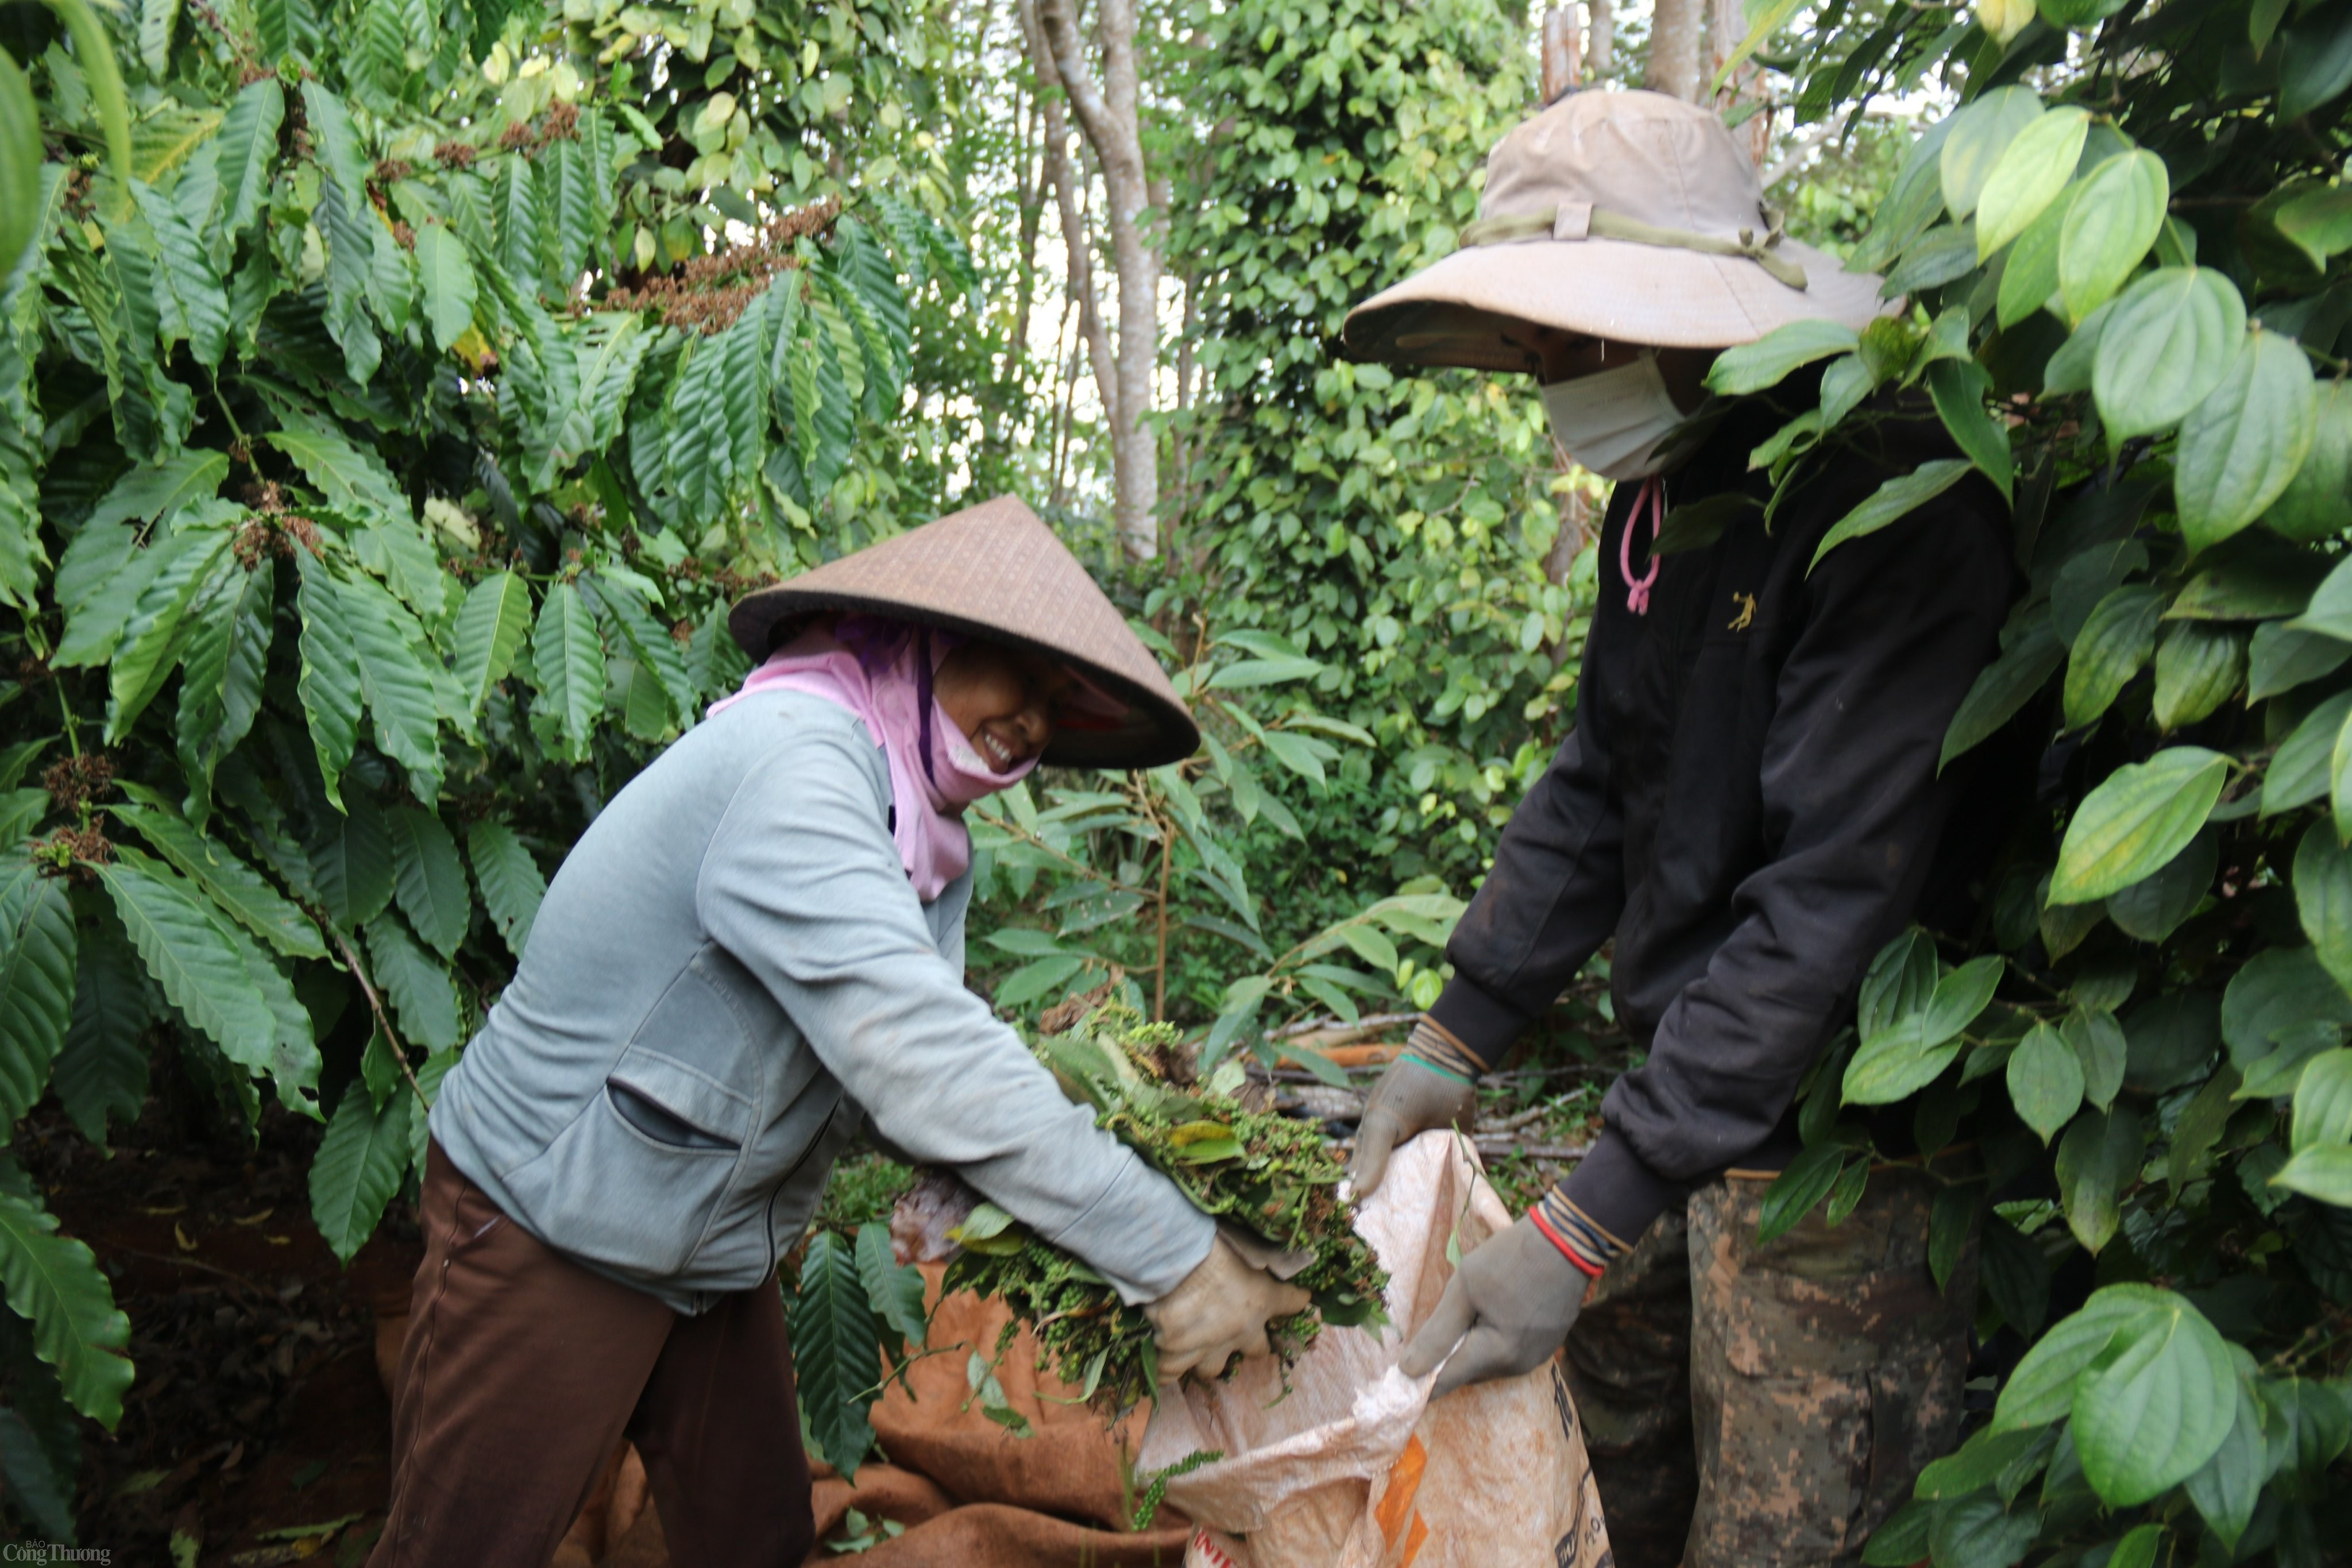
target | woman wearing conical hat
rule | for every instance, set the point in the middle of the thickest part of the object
(756, 946)
(1749, 805)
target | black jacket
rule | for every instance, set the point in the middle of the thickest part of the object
(1748, 803)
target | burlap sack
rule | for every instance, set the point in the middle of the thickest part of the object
(1353, 1467)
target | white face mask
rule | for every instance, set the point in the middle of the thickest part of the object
(1613, 420)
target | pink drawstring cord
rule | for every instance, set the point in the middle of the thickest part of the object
(1652, 497)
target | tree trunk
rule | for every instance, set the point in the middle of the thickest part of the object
(1675, 31)
(1107, 112)
(1562, 62)
(1600, 39)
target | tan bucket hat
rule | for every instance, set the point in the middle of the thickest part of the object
(1628, 216)
(996, 571)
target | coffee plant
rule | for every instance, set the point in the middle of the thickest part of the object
(2123, 263)
(372, 491)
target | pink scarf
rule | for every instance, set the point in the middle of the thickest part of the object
(881, 671)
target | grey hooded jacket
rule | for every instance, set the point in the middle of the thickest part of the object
(729, 971)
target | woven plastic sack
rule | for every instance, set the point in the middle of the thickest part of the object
(1354, 1466)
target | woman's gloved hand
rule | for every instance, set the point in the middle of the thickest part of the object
(1412, 1097)
(1222, 1307)
(1508, 1306)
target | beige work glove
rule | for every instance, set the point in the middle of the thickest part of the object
(1410, 1098)
(1222, 1307)
(1505, 1312)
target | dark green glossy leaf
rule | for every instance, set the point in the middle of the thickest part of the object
(2101, 1048)
(360, 1165)
(2002, 688)
(2315, 65)
(1797, 1190)
(2200, 1128)
(2016, 1275)
(2318, 502)
(2227, 1487)
(2173, 337)
(2029, 280)
(512, 882)
(2108, 229)
(2276, 990)
(836, 1350)
(2282, 659)
(199, 969)
(2170, 1039)
(2135, 821)
(2299, 771)
(418, 987)
(2046, 1081)
(569, 665)
(2323, 1102)
(428, 879)
(1958, 387)
(2244, 442)
(2152, 908)
(236, 886)
(37, 982)
(1982, 1532)
(2031, 170)
(2097, 1159)
(101, 1076)
(2199, 666)
(330, 676)
(1752, 367)
(1951, 1227)
(1978, 1463)
(2157, 1407)
(2114, 645)
(350, 864)
(1979, 135)
(55, 1283)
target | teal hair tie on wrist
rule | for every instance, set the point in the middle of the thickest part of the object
(1463, 1078)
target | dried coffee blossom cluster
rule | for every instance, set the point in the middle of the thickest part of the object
(74, 782)
(72, 852)
(708, 293)
(275, 531)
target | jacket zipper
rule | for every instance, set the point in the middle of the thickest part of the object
(826, 1126)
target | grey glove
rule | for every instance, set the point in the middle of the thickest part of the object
(1222, 1307)
(1410, 1098)
(1507, 1308)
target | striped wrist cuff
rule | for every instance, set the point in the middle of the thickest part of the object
(1570, 1228)
(1433, 1045)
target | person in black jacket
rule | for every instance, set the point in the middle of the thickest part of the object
(1749, 805)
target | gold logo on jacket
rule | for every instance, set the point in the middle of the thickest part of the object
(1747, 616)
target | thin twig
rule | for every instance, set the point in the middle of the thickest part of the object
(1022, 834)
(375, 1005)
(1159, 966)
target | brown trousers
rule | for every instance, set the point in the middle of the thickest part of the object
(1752, 1407)
(522, 1370)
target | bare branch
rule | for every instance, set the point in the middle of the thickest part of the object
(1075, 237)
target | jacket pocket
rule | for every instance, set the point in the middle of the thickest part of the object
(639, 1178)
(675, 1102)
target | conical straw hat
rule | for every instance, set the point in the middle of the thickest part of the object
(996, 571)
(1632, 216)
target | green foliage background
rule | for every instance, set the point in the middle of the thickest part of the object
(2125, 257)
(384, 426)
